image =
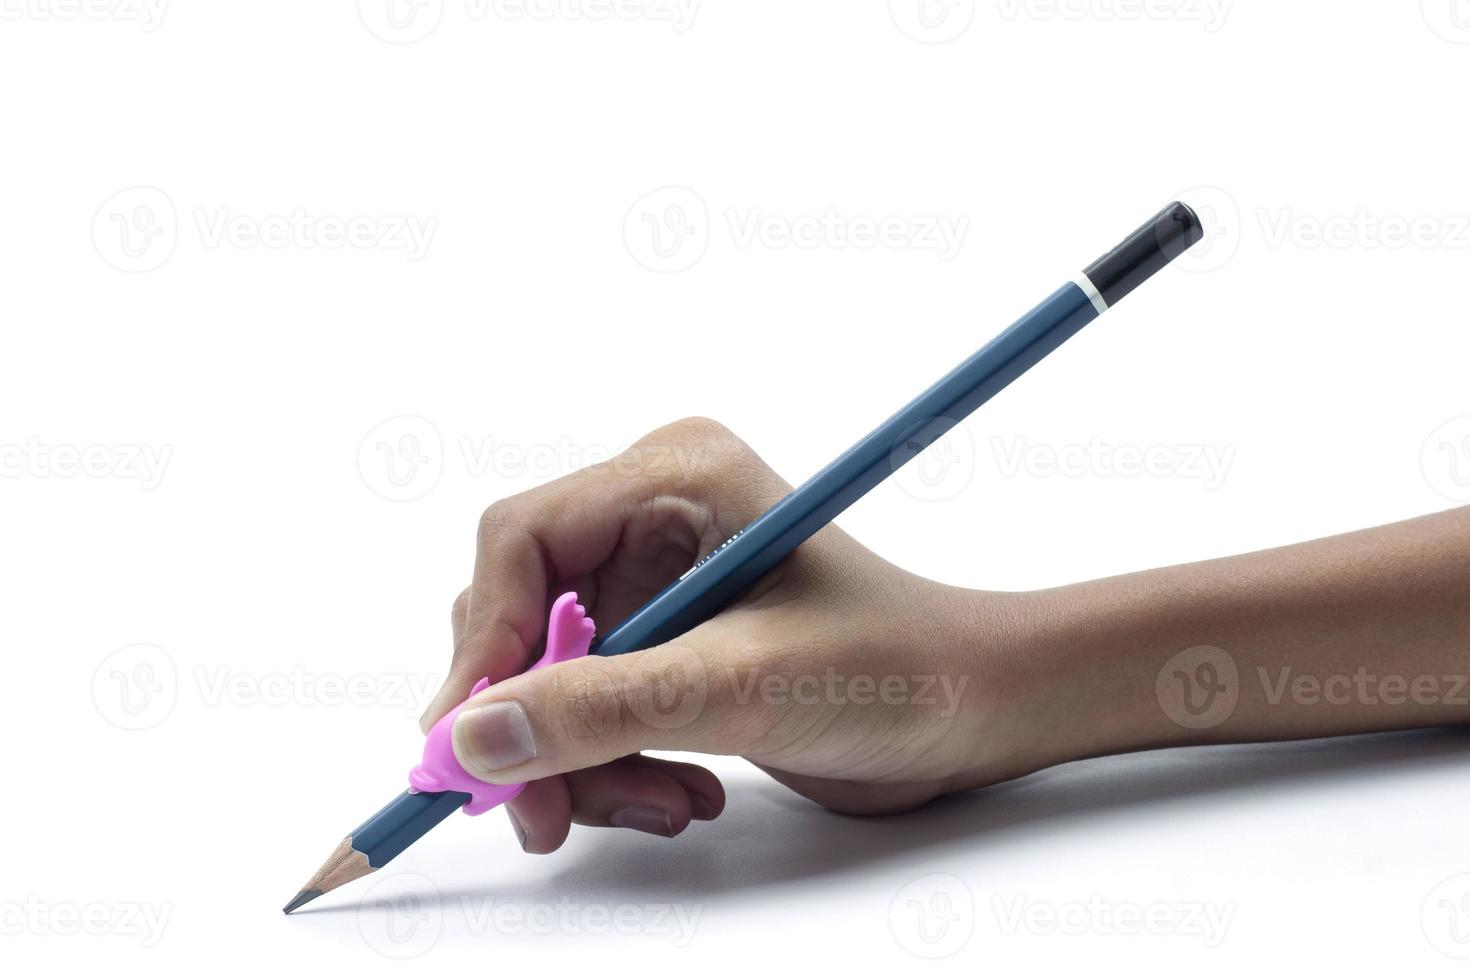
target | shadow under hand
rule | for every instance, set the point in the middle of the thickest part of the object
(768, 835)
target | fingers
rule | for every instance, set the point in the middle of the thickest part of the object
(587, 712)
(706, 792)
(562, 530)
(542, 815)
(569, 528)
(652, 796)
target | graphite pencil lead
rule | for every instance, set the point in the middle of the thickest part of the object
(302, 897)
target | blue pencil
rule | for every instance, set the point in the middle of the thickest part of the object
(722, 575)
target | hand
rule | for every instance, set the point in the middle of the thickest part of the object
(870, 690)
(844, 677)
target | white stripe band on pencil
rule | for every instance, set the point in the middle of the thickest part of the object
(1085, 284)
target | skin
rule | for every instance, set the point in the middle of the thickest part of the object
(871, 690)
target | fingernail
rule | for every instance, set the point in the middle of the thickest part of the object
(700, 807)
(516, 826)
(494, 736)
(648, 819)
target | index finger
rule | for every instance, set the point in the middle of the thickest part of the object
(525, 544)
(533, 541)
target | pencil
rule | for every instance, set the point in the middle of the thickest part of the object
(724, 573)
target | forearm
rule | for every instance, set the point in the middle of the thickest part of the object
(1367, 631)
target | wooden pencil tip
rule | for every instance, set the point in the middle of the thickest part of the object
(345, 864)
(302, 897)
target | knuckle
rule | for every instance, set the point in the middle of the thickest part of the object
(497, 518)
(699, 429)
(697, 449)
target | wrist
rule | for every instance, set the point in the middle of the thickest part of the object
(1064, 674)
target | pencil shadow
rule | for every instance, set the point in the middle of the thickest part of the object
(769, 836)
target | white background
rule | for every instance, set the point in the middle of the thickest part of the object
(177, 290)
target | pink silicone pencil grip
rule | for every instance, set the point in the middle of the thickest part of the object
(568, 635)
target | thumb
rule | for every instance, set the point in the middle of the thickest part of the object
(593, 710)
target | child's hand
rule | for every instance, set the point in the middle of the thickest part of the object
(853, 682)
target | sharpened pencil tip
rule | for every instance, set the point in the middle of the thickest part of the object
(302, 897)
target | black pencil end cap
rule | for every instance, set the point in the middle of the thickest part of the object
(302, 897)
(1161, 240)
